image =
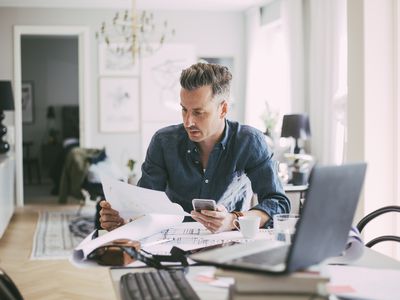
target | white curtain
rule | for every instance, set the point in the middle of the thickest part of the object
(292, 18)
(327, 90)
(275, 62)
(255, 83)
(268, 69)
(301, 71)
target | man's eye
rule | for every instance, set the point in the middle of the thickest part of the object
(197, 113)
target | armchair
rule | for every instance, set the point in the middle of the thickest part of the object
(361, 224)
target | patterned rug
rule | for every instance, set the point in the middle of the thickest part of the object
(59, 232)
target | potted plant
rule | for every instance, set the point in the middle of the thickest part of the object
(131, 176)
(270, 119)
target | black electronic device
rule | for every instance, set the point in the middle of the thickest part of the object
(156, 284)
(8, 289)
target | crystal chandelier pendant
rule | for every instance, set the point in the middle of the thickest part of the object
(134, 33)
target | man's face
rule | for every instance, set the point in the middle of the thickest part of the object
(203, 117)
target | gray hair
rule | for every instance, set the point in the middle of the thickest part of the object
(202, 74)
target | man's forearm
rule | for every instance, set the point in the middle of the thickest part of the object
(264, 217)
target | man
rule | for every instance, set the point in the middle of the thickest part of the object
(201, 157)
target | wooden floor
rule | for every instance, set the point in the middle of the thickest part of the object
(47, 279)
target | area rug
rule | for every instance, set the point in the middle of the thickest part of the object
(59, 232)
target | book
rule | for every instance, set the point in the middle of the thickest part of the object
(295, 283)
(258, 296)
(245, 296)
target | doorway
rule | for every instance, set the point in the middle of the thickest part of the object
(21, 84)
(50, 111)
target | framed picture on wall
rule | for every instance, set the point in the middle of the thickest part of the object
(116, 63)
(119, 104)
(27, 102)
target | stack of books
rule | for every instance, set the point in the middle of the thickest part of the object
(257, 286)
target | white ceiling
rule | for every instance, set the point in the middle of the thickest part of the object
(211, 5)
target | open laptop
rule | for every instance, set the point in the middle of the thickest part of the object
(321, 232)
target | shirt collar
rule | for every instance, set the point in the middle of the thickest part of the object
(225, 135)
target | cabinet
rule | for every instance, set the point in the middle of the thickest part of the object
(7, 177)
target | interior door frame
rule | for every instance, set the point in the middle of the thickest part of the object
(397, 116)
(82, 33)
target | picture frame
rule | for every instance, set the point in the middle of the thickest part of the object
(116, 64)
(27, 101)
(119, 104)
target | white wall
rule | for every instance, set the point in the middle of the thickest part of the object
(372, 114)
(212, 33)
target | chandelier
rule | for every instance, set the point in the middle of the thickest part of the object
(134, 33)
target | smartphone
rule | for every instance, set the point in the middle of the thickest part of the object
(204, 204)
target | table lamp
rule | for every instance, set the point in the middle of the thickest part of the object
(296, 126)
(6, 103)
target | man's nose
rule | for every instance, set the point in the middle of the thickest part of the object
(188, 120)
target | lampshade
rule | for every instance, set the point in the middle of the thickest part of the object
(296, 126)
(51, 114)
(6, 103)
(6, 96)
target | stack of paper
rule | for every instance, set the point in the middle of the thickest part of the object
(153, 211)
(296, 286)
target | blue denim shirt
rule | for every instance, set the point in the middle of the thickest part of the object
(173, 165)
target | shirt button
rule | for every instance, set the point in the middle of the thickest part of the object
(188, 151)
(206, 181)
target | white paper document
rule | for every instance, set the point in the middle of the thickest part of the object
(159, 233)
(141, 228)
(132, 201)
(351, 282)
(353, 251)
(158, 226)
(193, 235)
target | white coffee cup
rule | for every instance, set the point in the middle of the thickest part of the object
(248, 226)
(285, 227)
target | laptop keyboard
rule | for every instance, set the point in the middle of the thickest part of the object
(270, 257)
(157, 284)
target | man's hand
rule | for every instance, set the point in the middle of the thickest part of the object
(109, 218)
(215, 221)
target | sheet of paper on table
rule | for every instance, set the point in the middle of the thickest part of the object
(158, 225)
(141, 228)
(193, 235)
(347, 282)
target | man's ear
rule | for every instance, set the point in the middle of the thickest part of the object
(224, 108)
